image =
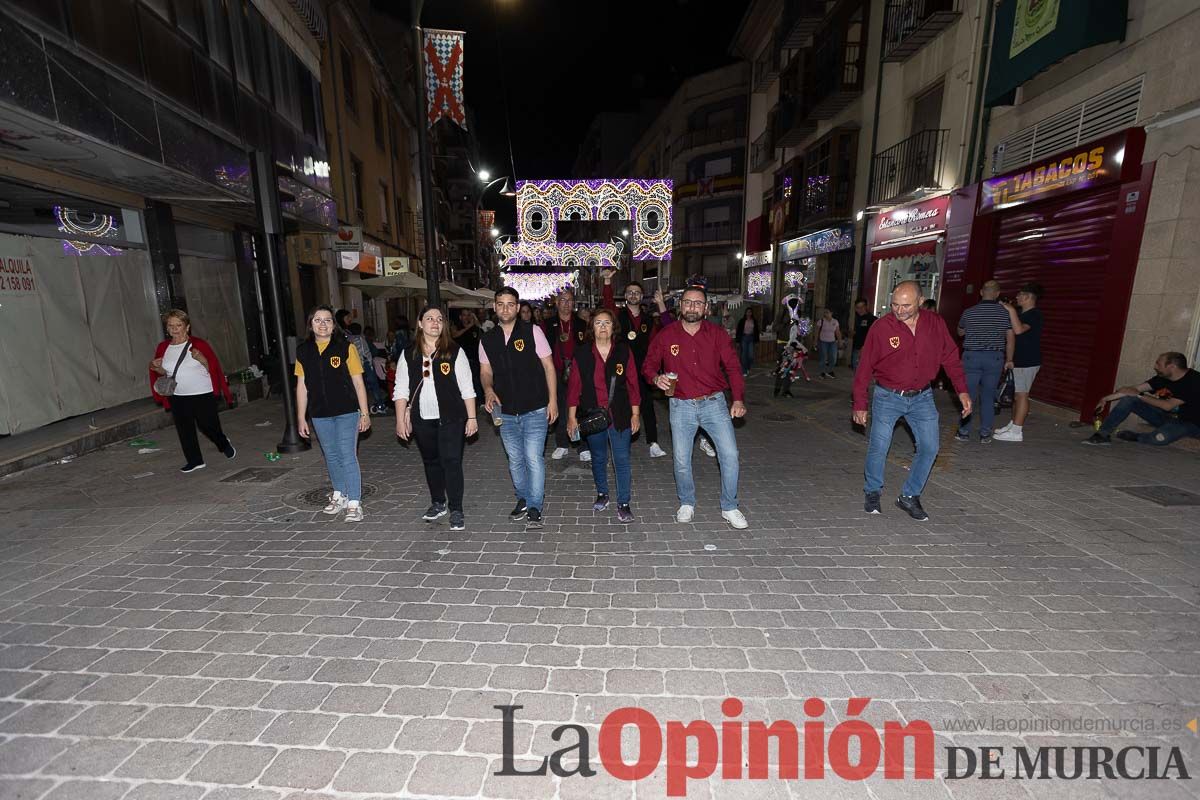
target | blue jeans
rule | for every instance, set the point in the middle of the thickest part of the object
(855, 355)
(339, 442)
(983, 369)
(371, 383)
(524, 437)
(711, 414)
(746, 349)
(921, 413)
(599, 444)
(828, 352)
(1167, 426)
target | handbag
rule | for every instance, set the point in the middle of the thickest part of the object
(165, 384)
(598, 419)
(1006, 391)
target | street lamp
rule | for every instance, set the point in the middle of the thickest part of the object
(495, 233)
(504, 191)
(484, 175)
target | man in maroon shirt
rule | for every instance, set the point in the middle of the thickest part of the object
(564, 331)
(701, 354)
(902, 354)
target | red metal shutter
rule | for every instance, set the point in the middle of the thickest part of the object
(1064, 245)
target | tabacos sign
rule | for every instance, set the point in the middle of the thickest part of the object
(1108, 160)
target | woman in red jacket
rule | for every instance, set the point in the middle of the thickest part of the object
(199, 380)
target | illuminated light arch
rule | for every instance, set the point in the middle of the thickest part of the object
(521, 253)
(634, 199)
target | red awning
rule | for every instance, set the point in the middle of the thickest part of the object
(904, 250)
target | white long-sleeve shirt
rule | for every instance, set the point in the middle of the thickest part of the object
(428, 403)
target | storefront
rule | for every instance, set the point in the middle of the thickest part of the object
(819, 268)
(907, 244)
(1073, 223)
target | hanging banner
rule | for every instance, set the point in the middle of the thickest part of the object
(1034, 19)
(444, 76)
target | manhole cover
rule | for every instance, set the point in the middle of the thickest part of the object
(779, 417)
(256, 475)
(320, 496)
(1162, 495)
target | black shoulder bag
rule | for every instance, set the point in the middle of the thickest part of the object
(598, 419)
(164, 384)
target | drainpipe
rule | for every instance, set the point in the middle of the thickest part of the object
(981, 117)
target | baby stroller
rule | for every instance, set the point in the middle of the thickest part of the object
(790, 366)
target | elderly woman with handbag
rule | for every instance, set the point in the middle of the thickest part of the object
(185, 378)
(604, 383)
(329, 384)
(434, 378)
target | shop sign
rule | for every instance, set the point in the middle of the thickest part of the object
(347, 239)
(909, 221)
(1083, 167)
(758, 259)
(1033, 20)
(395, 265)
(826, 241)
(16, 276)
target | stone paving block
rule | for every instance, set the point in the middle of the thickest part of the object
(296, 728)
(25, 754)
(356, 699)
(40, 718)
(432, 735)
(296, 696)
(90, 757)
(169, 722)
(23, 788)
(58, 686)
(303, 769)
(365, 733)
(175, 691)
(448, 775)
(235, 764)
(161, 761)
(234, 693)
(93, 790)
(164, 791)
(234, 725)
(385, 773)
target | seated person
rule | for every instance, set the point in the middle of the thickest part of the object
(1170, 401)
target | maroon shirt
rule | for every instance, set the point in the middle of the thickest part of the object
(698, 360)
(575, 382)
(564, 351)
(896, 358)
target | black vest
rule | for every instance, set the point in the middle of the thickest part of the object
(517, 373)
(327, 378)
(555, 332)
(640, 342)
(618, 403)
(451, 407)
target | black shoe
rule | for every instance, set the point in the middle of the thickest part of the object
(624, 513)
(230, 451)
(832, 375)
(1128, 436)
(518, 512)
(871, 502)
(985, 439)
(436, 511)
(533, 519)
(788, 394)
(601, 503)
(191, 467)
(1098, 439)
(911, 503)
(457, 521)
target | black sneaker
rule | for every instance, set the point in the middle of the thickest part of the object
(518, 512)
(624, 513)
(457, 521)
(191, 467)
(985, 439)
(533, 519)
(871, 502)
(230, 451)
(1128, 436)
(601, 503)
(436, 511)
(911, 503)
(962, 437)
(832, 375)
(1098, 439)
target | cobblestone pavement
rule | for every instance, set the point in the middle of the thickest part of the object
(172, 637)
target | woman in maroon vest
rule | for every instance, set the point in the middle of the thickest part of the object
(605, 366)
(435, 404)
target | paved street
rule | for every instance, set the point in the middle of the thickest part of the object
(172, 637)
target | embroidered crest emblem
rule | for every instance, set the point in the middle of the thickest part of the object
(581, 336)
(335, 361)
(631, 335)
(894, 342)
(445, 367)
(519, 345)
(562, 337)
(674, 349)
(620, 369)
(644, 328)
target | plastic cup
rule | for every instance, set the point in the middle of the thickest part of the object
(496, 419)
(673, 377)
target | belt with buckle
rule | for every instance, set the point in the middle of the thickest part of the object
(902, 392)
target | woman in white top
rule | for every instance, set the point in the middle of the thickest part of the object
(435, 404)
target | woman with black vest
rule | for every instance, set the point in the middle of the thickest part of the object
(605, 376)
(435, 403)
(329, 385)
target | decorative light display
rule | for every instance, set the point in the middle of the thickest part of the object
(794, 278)
(542, 203)
(516, 254)
(538, 285)
(85, 223)
(758, 282)
(73, 248)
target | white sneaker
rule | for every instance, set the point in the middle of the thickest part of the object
(707, 447)
(736, 518)
(685, 513)
(656, 451)
(1002, 430)
(1007, 435)
(585, 455)
(354, 512)
(336, 503)
(558, 453)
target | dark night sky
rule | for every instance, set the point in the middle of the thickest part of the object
(559, 62)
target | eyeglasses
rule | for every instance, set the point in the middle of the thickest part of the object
(694, 303)
(602, 323)
(322, 322)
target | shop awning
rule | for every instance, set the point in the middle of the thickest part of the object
(404, 284)
(905, 249)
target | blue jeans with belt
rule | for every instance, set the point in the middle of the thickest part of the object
(983, 369)
(887, 408)
(711, 414)
(1168, 427)
(828, 351)
(618, 441)
(339, 442)
(524, 437)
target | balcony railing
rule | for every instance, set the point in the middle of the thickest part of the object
(915, 163)
(766, 68)
(715, 135)
(910, 24)
(708, 234)
(762, 152)
(792, 125)
(833, 75)
(801, 18)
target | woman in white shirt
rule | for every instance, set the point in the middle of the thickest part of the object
(435, 404)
